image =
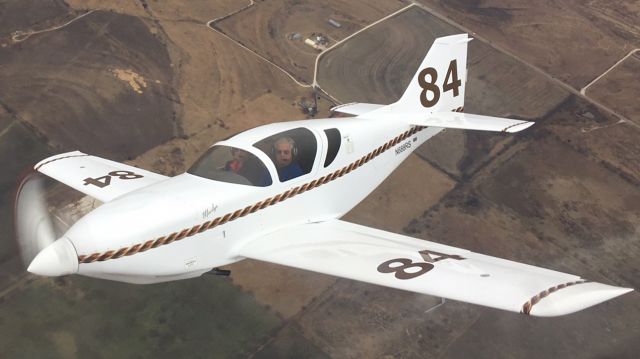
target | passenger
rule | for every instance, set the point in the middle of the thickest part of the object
(237, 163)
(284, 152)
(246, 165)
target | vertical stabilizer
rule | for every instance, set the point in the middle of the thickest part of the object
(437, 89)
(439, 83)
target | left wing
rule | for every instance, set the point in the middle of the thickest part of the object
(352, 251)
(97, 177)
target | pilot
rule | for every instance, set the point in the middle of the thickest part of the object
(284, 151)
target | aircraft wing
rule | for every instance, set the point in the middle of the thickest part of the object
(361, 253)
(97, 177)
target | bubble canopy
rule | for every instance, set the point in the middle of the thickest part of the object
(231, 165)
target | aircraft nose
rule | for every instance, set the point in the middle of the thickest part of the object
(58, 258)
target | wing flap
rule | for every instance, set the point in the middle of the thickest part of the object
(97, 177)
(351, 251)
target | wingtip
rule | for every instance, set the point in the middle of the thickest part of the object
(58, 157)
(575, 298)
(518, 127)
(453, 39)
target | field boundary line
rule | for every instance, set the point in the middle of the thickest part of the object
(260, 56)
(16, 36)
(211, 25)
(251, 3)
(584, 89)
(315, 67)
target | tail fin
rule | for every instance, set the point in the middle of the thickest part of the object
(435, 91)
(439, 83)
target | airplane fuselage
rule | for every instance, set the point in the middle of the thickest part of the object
(187, 225)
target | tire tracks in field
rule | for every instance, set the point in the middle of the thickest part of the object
(211, 25)
(315, 69)
(314, 85)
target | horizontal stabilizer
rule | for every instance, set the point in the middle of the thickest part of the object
(356, 108)
(467, 121)
(97, 177)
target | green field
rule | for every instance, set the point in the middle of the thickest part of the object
(82, 317)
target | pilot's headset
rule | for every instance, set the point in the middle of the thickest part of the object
(294, 148)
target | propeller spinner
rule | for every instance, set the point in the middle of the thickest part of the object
(41, 253)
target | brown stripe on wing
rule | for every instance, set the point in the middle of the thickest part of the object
(526, 307)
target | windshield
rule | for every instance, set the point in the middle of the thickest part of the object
(232, 165)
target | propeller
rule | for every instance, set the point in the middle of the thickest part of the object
(41, 251)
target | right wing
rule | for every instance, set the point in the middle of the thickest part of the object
(99, 178)
(357, 252)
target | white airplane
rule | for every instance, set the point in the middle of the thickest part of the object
(275, 193)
